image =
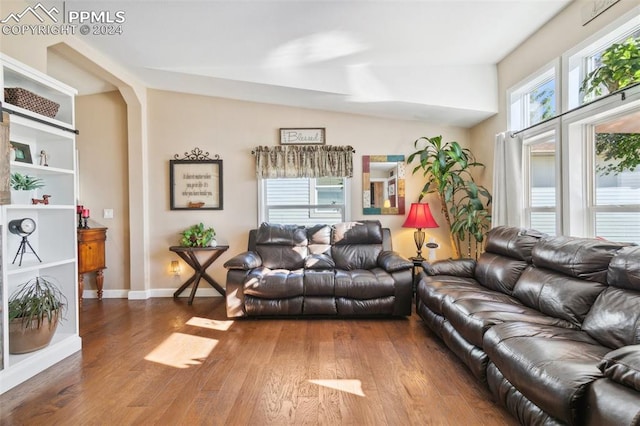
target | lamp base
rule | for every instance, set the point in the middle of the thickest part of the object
(418, 238)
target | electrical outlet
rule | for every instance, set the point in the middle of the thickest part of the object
(107, 214)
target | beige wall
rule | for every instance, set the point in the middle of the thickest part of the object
(104, 183)
(180, 122)
(555, 38)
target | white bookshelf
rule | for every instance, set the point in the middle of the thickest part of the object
(54, 239)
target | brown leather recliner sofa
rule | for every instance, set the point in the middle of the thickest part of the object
(551, 325)
(346, 269)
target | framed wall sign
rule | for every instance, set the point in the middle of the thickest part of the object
(195, 183)
(304, 136)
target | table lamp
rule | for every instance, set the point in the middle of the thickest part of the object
(419, 217)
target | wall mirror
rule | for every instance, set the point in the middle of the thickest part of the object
(383, 184)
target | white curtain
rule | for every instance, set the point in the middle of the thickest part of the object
(507, 181)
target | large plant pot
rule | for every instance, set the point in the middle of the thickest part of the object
(29, 338)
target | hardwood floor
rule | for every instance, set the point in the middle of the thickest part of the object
(161, 361)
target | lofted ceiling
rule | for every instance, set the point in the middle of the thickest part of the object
(430, 60)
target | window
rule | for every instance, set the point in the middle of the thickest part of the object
(587, 57)
(534, 100)
(541, 182)
(615, 195)
(303, 201)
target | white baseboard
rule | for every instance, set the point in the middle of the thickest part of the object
(147, 294)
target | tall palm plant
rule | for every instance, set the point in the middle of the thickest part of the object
(447, 168)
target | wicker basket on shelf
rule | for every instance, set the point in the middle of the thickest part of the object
(28, 100)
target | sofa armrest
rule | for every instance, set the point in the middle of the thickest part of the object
(391, 261)
(457, 267)
(245, 261)
(623, 366)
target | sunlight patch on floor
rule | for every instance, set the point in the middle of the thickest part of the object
(182, 350)
(344, 385)
(210, 323)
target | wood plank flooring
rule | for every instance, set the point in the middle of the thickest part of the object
(163, 362)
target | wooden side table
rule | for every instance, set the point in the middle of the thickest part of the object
(417, 263)
(91, 257)
(188, 254)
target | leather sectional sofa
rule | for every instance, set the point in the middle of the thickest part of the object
(550, 325)
(346, 269)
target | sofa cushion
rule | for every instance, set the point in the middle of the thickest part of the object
(356, 256)
(457, 267)
(319, 283)
(584, 258)
(624, 269)
(245, 261)
(254, 306)
(552, 367)
(436, 291)
(498, 272)
(282, 257)
(472, 317)
(314, 305)
(524, 410)
(319, 238)
(281, 235)
(557, 295)
(611, 403)
(614, 318)
(362, 232)
(268, 283)
(623, 366)
(391, 261)
(364, 284)
(351, 307)
(282, 246)
(515, 243)
(319, 261)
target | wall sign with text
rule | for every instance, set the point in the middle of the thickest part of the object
(305, 136)
(195, 184)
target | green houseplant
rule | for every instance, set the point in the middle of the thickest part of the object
(619, 67)
(447, 168)
(35, 309)
(20, 182)
(22, 187)
(197, 236)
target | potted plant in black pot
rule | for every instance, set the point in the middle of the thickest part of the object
(35, 309)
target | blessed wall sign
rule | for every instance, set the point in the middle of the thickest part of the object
(304, 136)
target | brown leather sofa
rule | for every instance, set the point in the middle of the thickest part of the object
(346, 269)
(550, 325)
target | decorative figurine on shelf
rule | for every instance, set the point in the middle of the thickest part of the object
(44, 200)
(44, 158)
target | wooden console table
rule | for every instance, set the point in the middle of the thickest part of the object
(91, 257)
(188, 254)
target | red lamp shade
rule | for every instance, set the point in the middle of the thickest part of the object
(420, 217)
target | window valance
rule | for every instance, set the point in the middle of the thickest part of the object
(303, 161)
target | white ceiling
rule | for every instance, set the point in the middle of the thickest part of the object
(430, 60)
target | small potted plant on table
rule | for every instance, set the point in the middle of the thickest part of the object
(198, 236)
